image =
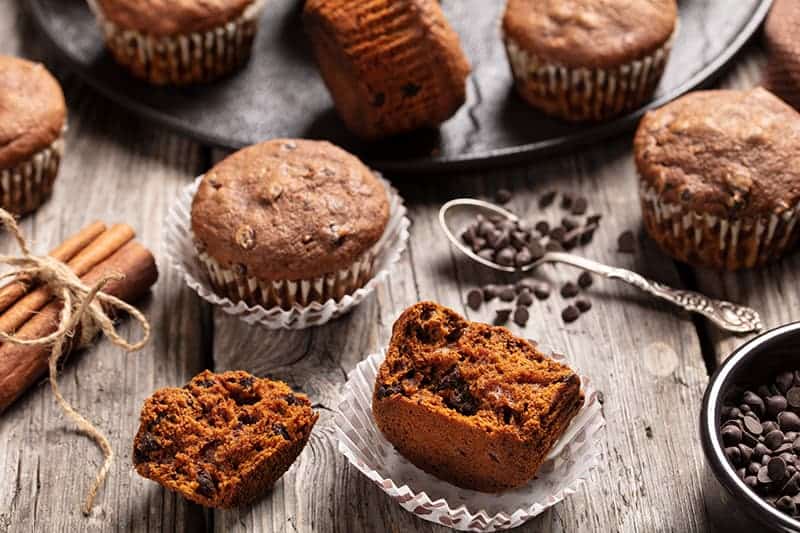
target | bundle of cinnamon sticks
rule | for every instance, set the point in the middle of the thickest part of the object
(31, 311)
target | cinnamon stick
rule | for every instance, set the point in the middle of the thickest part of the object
(22, 366)
(17, 288)
(97, 251)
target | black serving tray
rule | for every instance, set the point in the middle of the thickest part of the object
(280, 94)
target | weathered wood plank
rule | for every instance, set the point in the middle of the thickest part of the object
(645, 357)
(117, 168)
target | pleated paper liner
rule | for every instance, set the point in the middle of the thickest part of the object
(583, 93)
(184, 59)
(717, 242)
(566, 468)
(373, 268)
(25, 186)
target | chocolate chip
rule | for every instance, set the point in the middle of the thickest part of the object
(506, 256)
(507, 293)
(583, 305)
(579, 206)
(754, 401)
(566, 200)
(593, 219)
(793, 397)
(291, 399)
(763, 476)
(784, 381)
(501, 316)
(774, 405)
(789, 421)
(410, 90)
(753, 426)
(205, 483)
(570, 314)
(557, 234)
(484, 228)
(523, 258)
(378, 100)
(536, 249)
(569, 290)
(587, 234)
(457, 395)
(475, 299)
(773, 439)
(786, 504)
(776, 469)
(489, 292)
(543, 228)
(521, 316)
(519, 239)
(569, 223)
(384, 391)
(553, 246)
(731, 435)
(546, 199)
(487, 253)
(147, 444)
(542, 291)
(525, 298)
(498, 239)
(585, 280)
(280, 429)
(626, 242)
(734, 455)
(570, 240)
(502, 196)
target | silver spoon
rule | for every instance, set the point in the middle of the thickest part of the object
(726, 315)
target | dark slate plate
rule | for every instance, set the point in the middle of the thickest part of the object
(279, 93)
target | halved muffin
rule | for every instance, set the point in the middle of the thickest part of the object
(471, 403)
(223, 439)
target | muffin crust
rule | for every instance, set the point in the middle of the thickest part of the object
(390, 65)
(289, 210)
(32, 110)
(172, 17)
(732, 154)
(471, 403)
(590, 33)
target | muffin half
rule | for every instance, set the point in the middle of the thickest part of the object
(33, 118)
(223, 439)
(720, 177)
(289, 222)
(391, 66)
(179, 43)
(588, 59)
(470, 403)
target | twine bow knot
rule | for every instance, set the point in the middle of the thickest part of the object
(83, 306)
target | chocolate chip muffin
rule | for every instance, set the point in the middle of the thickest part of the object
(223, 439)
(32, 120)
(391, 66)
(720, 177)
(179, 42)
(470, 403)
(289, 222)
(588, 59)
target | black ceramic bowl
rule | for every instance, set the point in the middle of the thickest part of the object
(732, 505)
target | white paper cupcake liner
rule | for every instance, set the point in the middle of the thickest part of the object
(26, 186)
(186, 58)
(567, 465)
(717, 242)
(584, 93)
(183, 256)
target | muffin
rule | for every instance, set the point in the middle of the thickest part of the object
(719, 177)
(470, 403)
(588, 59)
(780, 32)
(391, 66)
(179, 42)
(32, 121)
(289, 222)
(223, 439)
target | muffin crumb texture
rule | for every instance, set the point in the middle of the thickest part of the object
(471, 403)
(223, 439)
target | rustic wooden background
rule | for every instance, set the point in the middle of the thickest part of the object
(651, 361)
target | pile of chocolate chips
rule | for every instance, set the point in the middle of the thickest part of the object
(761, 435)
(519, 243)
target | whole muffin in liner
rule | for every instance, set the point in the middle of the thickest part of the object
(380, 261)
(720, 177)
(391, 66)
(588, 59)
(566, 468)
(33, 117)
(199, 44)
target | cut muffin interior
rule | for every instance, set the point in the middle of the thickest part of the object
(222, 439)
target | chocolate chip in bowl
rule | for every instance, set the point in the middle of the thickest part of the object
(750, 433)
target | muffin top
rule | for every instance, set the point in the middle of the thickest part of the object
(32, 110)
(727, 153)
(289, 210)
(590, 33)
(171, 17)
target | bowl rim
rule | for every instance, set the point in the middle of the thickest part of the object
(710, 437)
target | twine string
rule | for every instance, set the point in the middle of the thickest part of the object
(83, 307)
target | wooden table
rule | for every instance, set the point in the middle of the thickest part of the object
(651, 361)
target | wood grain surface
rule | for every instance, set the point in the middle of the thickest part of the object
(650, 361)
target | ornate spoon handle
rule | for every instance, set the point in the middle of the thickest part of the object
(726, 315)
